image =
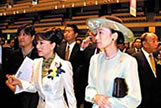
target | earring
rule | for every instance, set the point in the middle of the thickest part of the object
(112, 39)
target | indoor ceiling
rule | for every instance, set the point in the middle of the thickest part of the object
(47, 13)
(26, 6)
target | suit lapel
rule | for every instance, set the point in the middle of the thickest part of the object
(146, 65)
(74, 52)
(61, 50)
(38, 72)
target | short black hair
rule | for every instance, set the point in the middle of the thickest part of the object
(75, 28)
(138, 38)
(28, 29)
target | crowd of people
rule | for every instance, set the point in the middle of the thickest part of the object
(107, 69)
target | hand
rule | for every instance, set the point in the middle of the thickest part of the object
(102, 101)
(86, 42)
(12, 82)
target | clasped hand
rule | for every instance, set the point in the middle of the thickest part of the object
(102, 101)
(12, 82)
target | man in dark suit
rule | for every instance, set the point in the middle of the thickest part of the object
(4, 56)
(149, 73)
(88, 49)
(136, 46)
(25, 39)
(74, 56)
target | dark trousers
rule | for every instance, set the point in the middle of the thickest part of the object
(87, 104)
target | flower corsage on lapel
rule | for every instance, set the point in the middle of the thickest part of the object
(55, 71)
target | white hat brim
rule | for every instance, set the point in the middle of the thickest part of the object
(95, 23)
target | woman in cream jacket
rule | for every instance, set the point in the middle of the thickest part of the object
(51, 75)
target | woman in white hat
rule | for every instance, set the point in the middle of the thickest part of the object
(110, 65)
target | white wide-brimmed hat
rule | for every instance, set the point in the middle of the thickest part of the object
(94, 23)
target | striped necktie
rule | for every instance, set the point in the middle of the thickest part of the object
(67, 53)
(152, 62)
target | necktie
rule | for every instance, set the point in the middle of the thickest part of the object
(152, 62)
(67, 53)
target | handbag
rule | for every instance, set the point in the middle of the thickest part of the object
(120, 88)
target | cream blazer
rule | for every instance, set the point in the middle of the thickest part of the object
(51, 92)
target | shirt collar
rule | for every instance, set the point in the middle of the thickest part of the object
(71, 45)
(146, 53)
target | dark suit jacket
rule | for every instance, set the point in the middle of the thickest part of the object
(76, 61)
(87, 54)
(131, 51)
(24, 99)
(150, 86)
(6, 52)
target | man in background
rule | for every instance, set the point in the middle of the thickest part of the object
(26, 48)
(149, 71)
(70, 50)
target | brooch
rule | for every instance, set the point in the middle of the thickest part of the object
(55, 71)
